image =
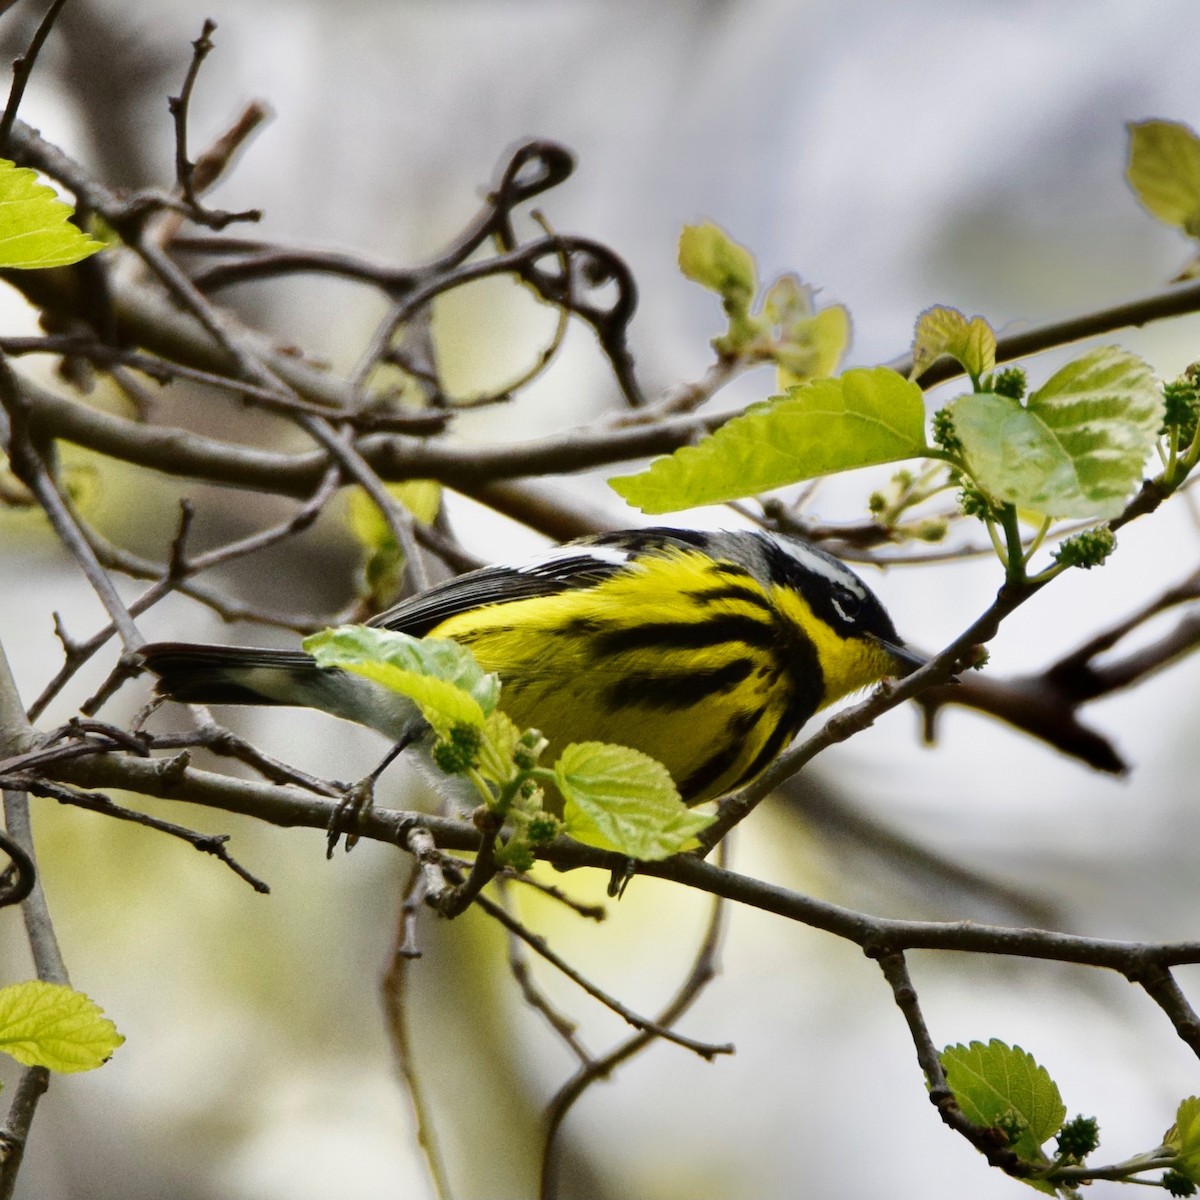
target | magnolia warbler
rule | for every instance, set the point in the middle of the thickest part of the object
(706, 651)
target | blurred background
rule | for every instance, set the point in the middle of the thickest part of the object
(896, 156)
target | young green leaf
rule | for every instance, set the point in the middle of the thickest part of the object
(34, 226)
(500, 738)
(1183, 1138)
(1077, 448)
(441, 677)
(865, 416)
(942, 330)
(994, 1083)
(812, 347)
(54, 1026)
(621, 799)
(382, 570)
(710, 257)
(1164, 172)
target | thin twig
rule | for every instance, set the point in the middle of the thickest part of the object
(518, 966)
(163, 371)
(457, 899)
(704, 968)
(395, 1002)
(178, 570)
(18, 878)
(218, 740)
(400, 521)
(30, 1088)
(30, 468)
(23, 69)
(185, 170)
(592, 912)
(1174, 301)
(990, 1143)
(1160, 985)
(705, 1050)
(206, 843)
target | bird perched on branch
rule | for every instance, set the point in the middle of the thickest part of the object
(706, 651)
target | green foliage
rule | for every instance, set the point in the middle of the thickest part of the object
(620, 799)
(1077, 448)
(805, 343)
(1087, 549)
(942, 429)
(863, 417)
(382, 570)
(1164, 172)
(1181, 406)
(1183, 1139)
(942, 330)
(1008, 382)
(54, 1026)
(615, 797)
(441, 677)
(458, 752)
(1178, 1184)
(785, 327)
(35, 226)
(997, 1086)
(710, 257)
(1078, 1138)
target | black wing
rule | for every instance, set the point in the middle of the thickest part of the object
(574, 565)
(491, 585)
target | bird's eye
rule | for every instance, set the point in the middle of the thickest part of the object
(847, 603)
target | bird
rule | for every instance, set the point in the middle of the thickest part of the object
(706, 650)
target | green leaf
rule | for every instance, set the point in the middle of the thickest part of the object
(993, 1081)
(500, 738)
(812, 347)
(34, 226)
(942, 330)
(54, 1026)
(621, 799)
(1183, 1138)
(1077, 448)
(865, 416)
(710, 257)
(441, 677)
(382, 571)
(1164, 172)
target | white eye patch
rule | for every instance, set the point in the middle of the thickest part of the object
(828, 568)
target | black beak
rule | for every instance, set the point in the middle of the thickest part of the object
(907, 660)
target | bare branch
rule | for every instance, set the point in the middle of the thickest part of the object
(706, 1050)
(703, 970)
(30, 468)
(1046, 704)
(1175, 301)
(22, 69)
(990, 1143)
(186, 175)
(395, 990)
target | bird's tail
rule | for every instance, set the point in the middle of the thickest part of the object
(196, 674)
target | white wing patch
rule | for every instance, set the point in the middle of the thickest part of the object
(612, 555)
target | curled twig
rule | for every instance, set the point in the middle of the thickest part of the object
(18, 878)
